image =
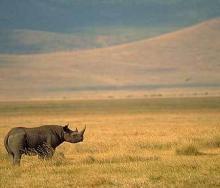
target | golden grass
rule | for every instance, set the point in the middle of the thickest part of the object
(124, 149)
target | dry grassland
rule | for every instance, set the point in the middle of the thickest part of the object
(128, 143)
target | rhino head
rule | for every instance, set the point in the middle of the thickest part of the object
(73, 136)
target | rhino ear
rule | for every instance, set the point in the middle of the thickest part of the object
(65, 128)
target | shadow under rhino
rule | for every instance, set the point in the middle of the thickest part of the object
(41, 141)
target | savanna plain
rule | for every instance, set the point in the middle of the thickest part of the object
(173, 142)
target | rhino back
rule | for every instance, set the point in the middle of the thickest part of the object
(30, 138)
(45, 134)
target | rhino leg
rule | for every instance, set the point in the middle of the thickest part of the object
(45, 152)
(17, 159)
(50, 153)
(11, 157)
(16, 145)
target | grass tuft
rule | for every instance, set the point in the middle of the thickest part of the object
(119, 159)
(102, 182)
(188, 150)
(156, 146)
(214, 142)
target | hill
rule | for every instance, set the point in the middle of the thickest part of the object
(186, 59)
(59, 25)
(25, 41)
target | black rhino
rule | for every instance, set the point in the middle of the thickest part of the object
(41, 140)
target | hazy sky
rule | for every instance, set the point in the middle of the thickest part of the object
(68, 15)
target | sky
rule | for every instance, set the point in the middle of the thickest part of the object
(70, 15)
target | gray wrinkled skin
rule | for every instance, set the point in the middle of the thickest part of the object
(41, 141)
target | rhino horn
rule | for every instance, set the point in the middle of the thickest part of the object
(82, 131)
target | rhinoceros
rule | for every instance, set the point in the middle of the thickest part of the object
(41, 141)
